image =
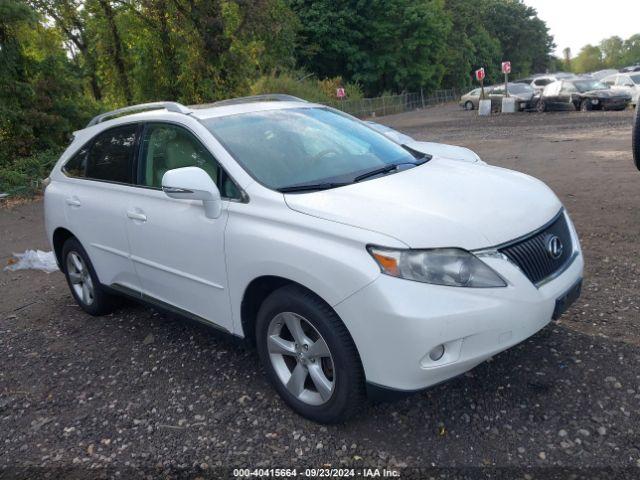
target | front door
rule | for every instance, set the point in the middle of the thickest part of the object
(177, 251)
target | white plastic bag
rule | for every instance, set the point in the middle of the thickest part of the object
(35, 260)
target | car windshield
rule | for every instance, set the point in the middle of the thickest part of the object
(520, 88)
(635, 78)
(587, 85)
(286, 148)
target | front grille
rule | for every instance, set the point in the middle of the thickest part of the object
(532, 253)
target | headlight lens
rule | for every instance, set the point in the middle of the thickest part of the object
(452, 267)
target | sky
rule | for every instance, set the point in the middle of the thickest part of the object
(575, 23)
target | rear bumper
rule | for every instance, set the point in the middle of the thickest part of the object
(395, 323)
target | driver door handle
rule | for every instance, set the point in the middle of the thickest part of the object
(73, 201)
(141, 217)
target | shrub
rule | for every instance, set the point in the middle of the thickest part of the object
(313, 90)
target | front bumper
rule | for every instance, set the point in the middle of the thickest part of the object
(395, 323)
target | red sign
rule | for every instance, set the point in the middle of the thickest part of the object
(480, 74)
(506, 67)
(340, 93)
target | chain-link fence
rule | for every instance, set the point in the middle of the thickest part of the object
(390, 104)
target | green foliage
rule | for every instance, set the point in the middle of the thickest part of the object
(588, 60)
(612, 52)
(381, 44)
(22, 176)
(41, 97)
(322, 91)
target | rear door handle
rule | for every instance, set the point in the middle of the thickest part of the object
(73, 202)
(141, 217)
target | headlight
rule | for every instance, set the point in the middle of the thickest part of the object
(453, 267)
(595, 101)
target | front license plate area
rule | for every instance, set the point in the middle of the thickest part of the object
(566, 300)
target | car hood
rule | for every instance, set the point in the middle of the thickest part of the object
(443, 203)
(452, 152)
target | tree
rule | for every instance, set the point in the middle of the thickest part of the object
(588, 60)
(612, 52)
(39, 88)
(524, 38)
(631, 55)
(386, 45)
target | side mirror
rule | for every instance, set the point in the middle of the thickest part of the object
(193, 183)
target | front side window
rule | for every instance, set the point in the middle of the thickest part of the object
(289, 147)
(166, 146)
(111, 155)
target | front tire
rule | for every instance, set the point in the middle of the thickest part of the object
(309, 356)
(585, 106)
(83, 281)
(541, 107)
(468, 105)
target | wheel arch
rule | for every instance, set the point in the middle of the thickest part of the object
(254, 295)
(60, 236)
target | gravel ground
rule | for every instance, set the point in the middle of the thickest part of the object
(143, 393)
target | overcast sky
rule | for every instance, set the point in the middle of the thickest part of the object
(575, 23)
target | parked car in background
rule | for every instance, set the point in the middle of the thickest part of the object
(452, 152)
(541, 81)
(523, 94)
(581, 94)
(600, 74)
(625, 82)
(469, 101)
(354, 265)
(632, 68)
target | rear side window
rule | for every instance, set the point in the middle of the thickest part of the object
(111, 155)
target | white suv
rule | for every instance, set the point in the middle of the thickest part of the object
(356, 265)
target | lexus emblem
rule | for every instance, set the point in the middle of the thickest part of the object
(554, 247)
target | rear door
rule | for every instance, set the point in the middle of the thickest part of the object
(177, 251)
(551, 95)
(100, 180)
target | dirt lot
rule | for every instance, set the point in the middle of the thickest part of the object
(142, 392)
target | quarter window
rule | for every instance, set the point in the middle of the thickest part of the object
(111, 155)
(166, 146)
(77, 165)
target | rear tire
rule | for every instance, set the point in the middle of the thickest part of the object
(541, 107)
(83, 281)
(331, 385)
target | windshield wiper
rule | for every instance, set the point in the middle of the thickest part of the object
(312, 186)
(377, 171)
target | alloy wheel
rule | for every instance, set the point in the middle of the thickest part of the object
(80, 278)
(301, 358)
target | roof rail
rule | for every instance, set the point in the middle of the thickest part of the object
(169, 106)
(269, 97)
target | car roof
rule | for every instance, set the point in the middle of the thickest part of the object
(156, 110)
(204, 112)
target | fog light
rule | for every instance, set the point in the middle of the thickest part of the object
(437, 353)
